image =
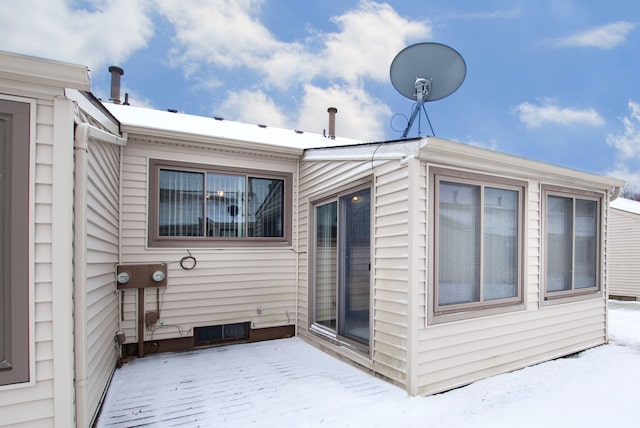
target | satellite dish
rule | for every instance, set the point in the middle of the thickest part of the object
(427, 72)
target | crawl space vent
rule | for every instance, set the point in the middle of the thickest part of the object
(220, 333)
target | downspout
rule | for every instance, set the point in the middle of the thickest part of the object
(296, 227)
(614, 193)
(80, 260)
(120, 293)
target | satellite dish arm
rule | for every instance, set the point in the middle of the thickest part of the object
(416, 110)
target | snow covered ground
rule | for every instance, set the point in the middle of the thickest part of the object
(288, 383)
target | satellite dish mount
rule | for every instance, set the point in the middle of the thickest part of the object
(426, 72)
(423, 87)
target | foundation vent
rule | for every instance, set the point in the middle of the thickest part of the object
(215, 334)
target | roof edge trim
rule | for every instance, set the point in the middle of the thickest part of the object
(438, 149)
(40, 71)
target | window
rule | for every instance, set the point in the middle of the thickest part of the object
(572, 243)
(342, 266)
(195, 205)
(14, 242)
(478, 236)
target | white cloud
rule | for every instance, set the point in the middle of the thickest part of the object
(229, 34)
(359, 115)
(225, 33)
(534, 116)
(622, 172)
(53, 29)
(325, 69)
(605, 37)
(253, 106)
(628, 143)
(494, 14)
(359, 50)
(491, 144)
(370, 37)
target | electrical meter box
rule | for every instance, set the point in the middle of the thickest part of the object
(141, 276)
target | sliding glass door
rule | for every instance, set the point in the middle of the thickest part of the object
(326, 263)
(342, 265)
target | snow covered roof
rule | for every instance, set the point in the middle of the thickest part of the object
(138, 119)
(626, 205)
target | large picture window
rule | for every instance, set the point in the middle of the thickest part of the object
(572, 243)
(200, 205)
(14, 242)
(478, 242)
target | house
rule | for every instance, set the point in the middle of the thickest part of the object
(426, 262)
(623, 257)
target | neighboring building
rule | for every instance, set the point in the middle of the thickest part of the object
(59, 309)
(623, 257)
(429, 263)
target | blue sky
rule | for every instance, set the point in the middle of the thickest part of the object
(550, 80)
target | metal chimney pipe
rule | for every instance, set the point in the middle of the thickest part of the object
(332, 122)
(116, 73)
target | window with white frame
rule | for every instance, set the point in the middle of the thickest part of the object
(571, 229)
(477, 245)
(200, 205)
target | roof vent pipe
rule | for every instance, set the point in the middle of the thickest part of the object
(332, 122)
(116, 73)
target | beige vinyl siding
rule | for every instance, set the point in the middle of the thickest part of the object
(319, 179)
(391, 271)
(457, 353)
(228, 284)
(33, 404)
(623, 253)
(102, 256)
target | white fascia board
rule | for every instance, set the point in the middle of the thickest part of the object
(87, 102)
(447, 152)
(27, 69)
(207, 141)
(388, 150)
